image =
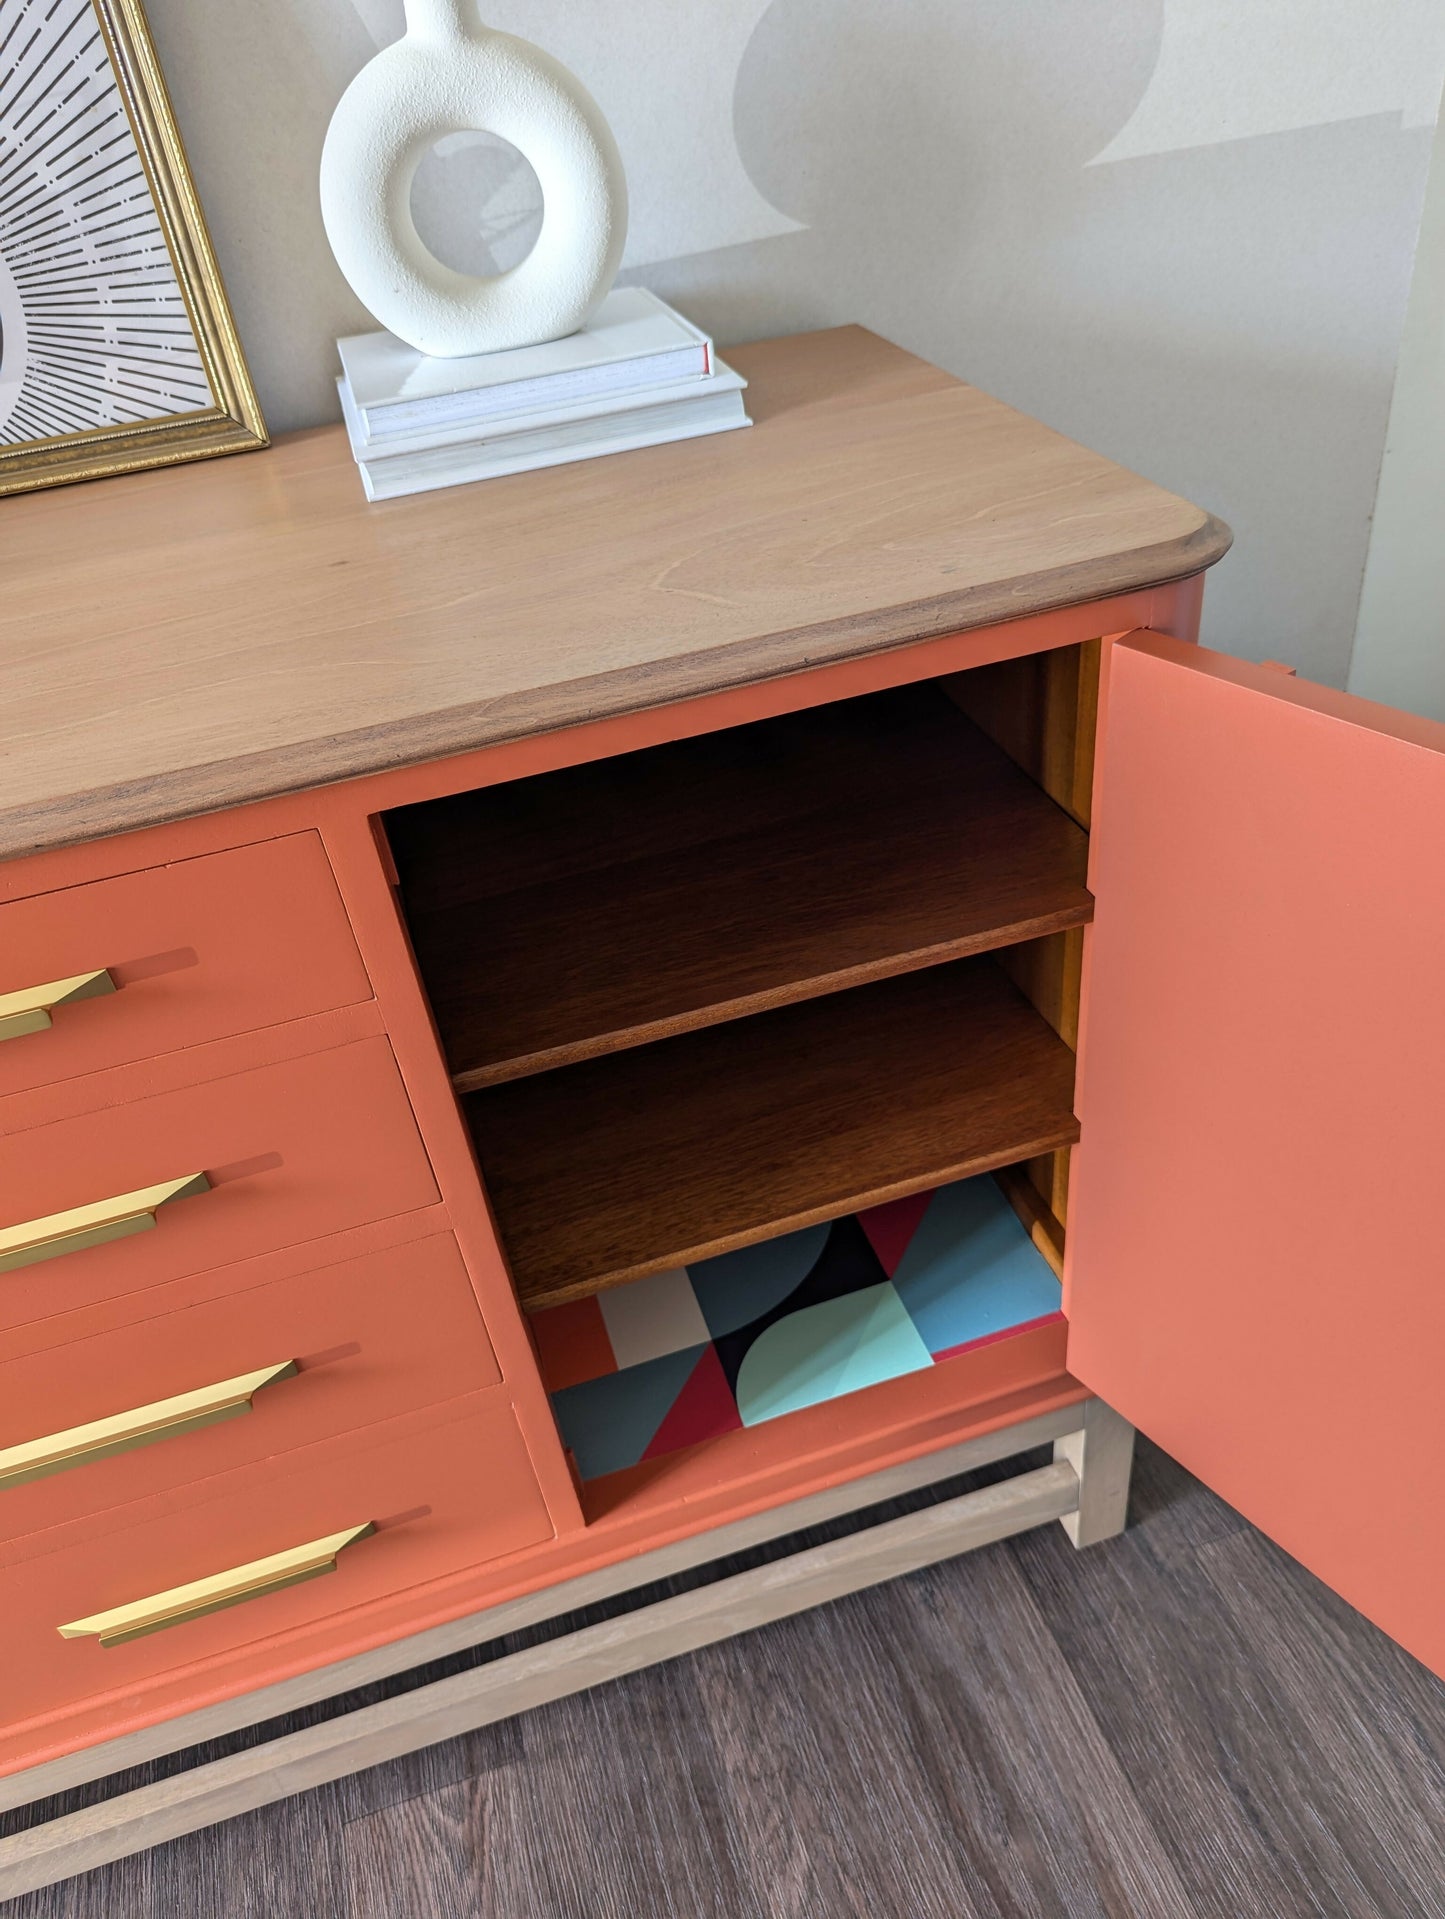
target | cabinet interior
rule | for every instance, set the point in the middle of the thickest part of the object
(712, 992)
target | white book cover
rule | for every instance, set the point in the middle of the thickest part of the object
(400, 445)
(522, 453)
(633, 340)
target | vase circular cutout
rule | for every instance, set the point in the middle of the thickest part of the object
(448, 74)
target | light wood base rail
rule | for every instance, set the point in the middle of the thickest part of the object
(295, 1762)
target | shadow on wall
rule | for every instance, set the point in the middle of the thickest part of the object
(1223, 318)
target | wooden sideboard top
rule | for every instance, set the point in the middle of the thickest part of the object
(202, 636)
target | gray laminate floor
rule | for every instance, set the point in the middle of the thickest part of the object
(1179, 1723)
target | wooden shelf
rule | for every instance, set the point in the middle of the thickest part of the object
(670, 1153)
(619, 903)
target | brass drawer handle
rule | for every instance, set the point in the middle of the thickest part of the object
(29, 1011)
(162, 1419)
(204, 1596)
(82, 1226)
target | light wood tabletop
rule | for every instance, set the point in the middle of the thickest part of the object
(198, 637)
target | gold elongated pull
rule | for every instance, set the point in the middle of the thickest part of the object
(29, 1011)
(162, 1419)
(204, 1596)
(82, 1226)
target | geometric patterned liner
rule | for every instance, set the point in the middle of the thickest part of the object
(683, 1356)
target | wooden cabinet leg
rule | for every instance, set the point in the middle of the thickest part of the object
(1101, 1452)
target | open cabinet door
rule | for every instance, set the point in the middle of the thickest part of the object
(1255, 1274)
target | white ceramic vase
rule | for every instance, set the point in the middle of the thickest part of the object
(446, 74)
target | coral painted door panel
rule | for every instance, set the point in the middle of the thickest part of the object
(1255, 1274)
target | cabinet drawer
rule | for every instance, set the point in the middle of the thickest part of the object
(373, 1337)
(293, 1152)
(446, 1490)
(197, 951)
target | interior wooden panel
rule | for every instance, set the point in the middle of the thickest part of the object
(681, 1150)
(630, 899)
(1043, 1222)
(1043, 710)
(1047, 972)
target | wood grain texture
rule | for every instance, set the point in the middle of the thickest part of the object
(1102, 1454)
(681, 1150)
(947, 1767)
(630, 899)
(181, 641)
(1042, 1224)
(1043, 710)
(1289, 1756)
(1179, 1724)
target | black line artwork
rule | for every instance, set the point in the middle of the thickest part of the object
(94, 330)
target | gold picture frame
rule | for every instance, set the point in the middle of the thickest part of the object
(201, 354)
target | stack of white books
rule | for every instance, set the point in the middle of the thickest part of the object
(637, 374)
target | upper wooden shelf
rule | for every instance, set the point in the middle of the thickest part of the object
(201, 636)
(626, 900)
(675, 1152)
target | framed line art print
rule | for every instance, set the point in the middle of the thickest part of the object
(117, 347)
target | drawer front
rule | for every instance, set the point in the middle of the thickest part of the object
(293, 1152)
(445, 1490)
(373, 1337)
(197, 951)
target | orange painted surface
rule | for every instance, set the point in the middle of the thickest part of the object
(711, 1496)
(447, 1488)
(377, 1335)
(983, 1392)
(1254, 1267)
(197, 1289)
(374, 913)
(199, 949)
(299, 1150)
(289, 1643)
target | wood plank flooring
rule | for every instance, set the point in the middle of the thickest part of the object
(1180, 1724)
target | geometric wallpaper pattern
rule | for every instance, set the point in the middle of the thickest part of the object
(679, 1357)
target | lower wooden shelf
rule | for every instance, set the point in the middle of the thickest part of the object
(684, 1149)
(818, 1317)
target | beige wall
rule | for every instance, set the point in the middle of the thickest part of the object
(1400, 642)
(1181, 230)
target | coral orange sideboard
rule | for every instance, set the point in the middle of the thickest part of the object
(559, 1031)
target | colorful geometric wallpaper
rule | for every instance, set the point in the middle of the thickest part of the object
(678, 1357)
